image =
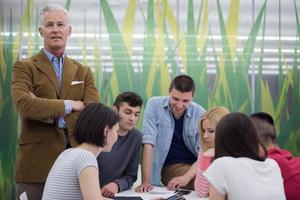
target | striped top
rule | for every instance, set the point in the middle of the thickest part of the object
(201, 182)
(63, 179)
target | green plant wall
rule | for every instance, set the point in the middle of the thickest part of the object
(168, 49)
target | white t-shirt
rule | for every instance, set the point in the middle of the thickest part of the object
(63, 179)
(246, 179)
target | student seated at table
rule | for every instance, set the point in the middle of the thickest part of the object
(241, 169)
(207, 127)
(118, 168)
(289, 165)
(74, 174)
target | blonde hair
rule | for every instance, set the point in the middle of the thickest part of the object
(213, 115)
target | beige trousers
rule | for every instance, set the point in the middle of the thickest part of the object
(175, 170)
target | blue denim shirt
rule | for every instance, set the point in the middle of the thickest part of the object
(158, 128)
(59, 71)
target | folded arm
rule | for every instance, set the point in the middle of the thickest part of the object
(37, 103)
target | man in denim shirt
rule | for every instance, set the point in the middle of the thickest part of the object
(170, 137)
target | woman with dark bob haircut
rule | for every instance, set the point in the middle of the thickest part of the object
(240, 169)
(74, 175)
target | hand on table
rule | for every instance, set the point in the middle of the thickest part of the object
(144, 187)
(176, 182)
(109, 190)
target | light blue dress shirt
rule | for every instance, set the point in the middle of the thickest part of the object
(158, 128)
(58, 64)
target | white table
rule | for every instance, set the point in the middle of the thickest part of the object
(158, 192)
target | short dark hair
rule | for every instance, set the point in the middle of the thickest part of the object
(263, 116)
(264, 124)
(129, 97)
(236, 137)
(183, 83)
(91, 123)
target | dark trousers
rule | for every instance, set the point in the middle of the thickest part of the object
(34, 191)
(67, 141)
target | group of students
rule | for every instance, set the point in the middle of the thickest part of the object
(239, 159)
(108, 150)
(73, 147)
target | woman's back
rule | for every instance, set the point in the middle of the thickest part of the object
(247, 179)
(62, 181)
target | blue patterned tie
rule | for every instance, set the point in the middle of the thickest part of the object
(57, 67)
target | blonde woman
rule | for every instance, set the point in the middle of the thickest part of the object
(207, 126)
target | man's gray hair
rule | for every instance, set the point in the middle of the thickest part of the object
(52, 7)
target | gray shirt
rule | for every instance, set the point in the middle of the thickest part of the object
(63, 179)
(120, 165)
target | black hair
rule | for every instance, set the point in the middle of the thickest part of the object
(264, 124)
(236, 137)
(91, 123)
(183, 83)
(263, 116)
(129, 97)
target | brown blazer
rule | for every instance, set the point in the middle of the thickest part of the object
(40, 140)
